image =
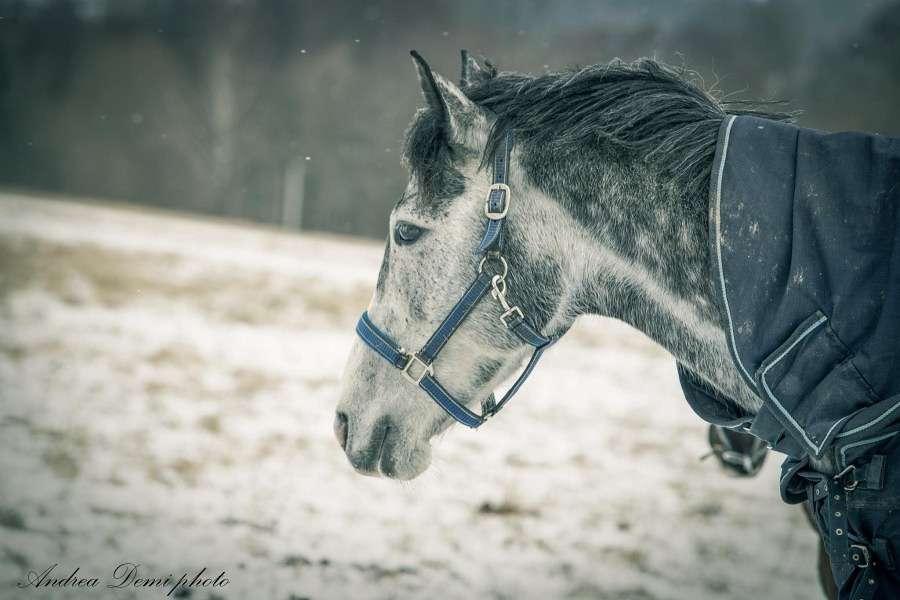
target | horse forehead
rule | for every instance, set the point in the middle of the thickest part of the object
(415, 204)
(410, 193)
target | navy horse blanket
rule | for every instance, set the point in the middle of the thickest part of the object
(805, 261)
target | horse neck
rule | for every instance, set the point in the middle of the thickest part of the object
(634, 246)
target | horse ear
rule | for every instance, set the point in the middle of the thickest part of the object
(474, 73)
(466, 123)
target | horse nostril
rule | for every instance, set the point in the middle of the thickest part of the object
(341, 428)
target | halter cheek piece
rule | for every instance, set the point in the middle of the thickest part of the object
(418, 368)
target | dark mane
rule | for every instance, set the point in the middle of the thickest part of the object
(642, 110)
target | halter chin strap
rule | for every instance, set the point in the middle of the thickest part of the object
(418, 368)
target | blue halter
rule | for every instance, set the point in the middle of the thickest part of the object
(418, 368)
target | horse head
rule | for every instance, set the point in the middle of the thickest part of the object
(434, 252)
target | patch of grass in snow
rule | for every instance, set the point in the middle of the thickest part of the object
(20, 560)
(249, 383)
(210, 423)
(11, 518)
(506, 508)
(706, 510)
(187, 470)
(589, 590)
(61, 462)
(87, 274)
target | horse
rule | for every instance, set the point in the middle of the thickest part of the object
(533, 200)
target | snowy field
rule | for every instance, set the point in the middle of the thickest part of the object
(167, 387)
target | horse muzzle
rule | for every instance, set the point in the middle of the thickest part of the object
(379, 451)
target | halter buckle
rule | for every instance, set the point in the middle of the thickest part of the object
(503, 264)
(514, 311)
(427, 369)
(497, 215)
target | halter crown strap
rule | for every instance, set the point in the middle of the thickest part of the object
(497, 204)
(418, 368)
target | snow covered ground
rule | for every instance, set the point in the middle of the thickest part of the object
(167, 386)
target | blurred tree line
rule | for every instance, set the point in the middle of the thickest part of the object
(293, 112)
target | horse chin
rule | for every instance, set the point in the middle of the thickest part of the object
(403, 464)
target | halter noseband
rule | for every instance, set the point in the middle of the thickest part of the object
(418, 368)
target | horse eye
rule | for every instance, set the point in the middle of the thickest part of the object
(407, 233)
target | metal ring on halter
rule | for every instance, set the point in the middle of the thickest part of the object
(502, 262)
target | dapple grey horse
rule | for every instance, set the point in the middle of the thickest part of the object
(609, 164)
